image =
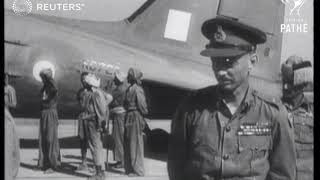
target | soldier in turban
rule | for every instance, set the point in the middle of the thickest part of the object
(297, 74)
(117, 113)
(136, 107)
(49, 148)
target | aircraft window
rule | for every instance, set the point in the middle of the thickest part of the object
(177, 26)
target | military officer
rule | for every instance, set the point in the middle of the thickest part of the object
(229, 130)
(297, 74)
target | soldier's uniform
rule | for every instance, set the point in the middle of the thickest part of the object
(83, 131)
(117, 115)
(296, 72)
(208, 142)
(302, 117)
(12, 145)
(95, 104)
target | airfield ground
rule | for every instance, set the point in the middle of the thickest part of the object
(155, 163)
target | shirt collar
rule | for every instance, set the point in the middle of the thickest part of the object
(246, 104)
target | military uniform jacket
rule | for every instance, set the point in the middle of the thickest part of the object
(303, 120)
(207, 142)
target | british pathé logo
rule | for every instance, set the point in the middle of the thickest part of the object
(294, 22)
(22, 7)
(294, 5)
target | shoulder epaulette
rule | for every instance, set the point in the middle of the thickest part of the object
(276, 102)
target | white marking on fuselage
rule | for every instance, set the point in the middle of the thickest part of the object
(98, 67)
(177, 26)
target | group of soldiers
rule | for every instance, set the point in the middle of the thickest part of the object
(225, 131)
(127, 105)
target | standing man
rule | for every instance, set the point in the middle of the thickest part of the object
(49, 149)
(95, 106)
(82, 124)
(229, 130)
(136, 107)
(12, 145)
(296, 75)
(117, 114)
(10, 93)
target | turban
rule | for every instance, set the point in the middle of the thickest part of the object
(135, 74)
(47, 73)
(120, 76)
(297, 71)
(92, 80)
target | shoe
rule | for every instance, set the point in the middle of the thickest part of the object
(82, 167)
(117, 165)
(99, 175)
(94, 177)
(102, 176)
(93, 171)
(48, 171)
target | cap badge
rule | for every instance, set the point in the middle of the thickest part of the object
(220, 35)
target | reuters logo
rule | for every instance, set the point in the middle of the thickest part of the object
(22, 7)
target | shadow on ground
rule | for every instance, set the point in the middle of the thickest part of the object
(65, 168)
(156, 144)
(65, 143)
(90, 163)
(68, 142)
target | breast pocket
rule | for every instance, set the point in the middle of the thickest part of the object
(255, 149)
(203, 151)
(303, 128)
(205, 158)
